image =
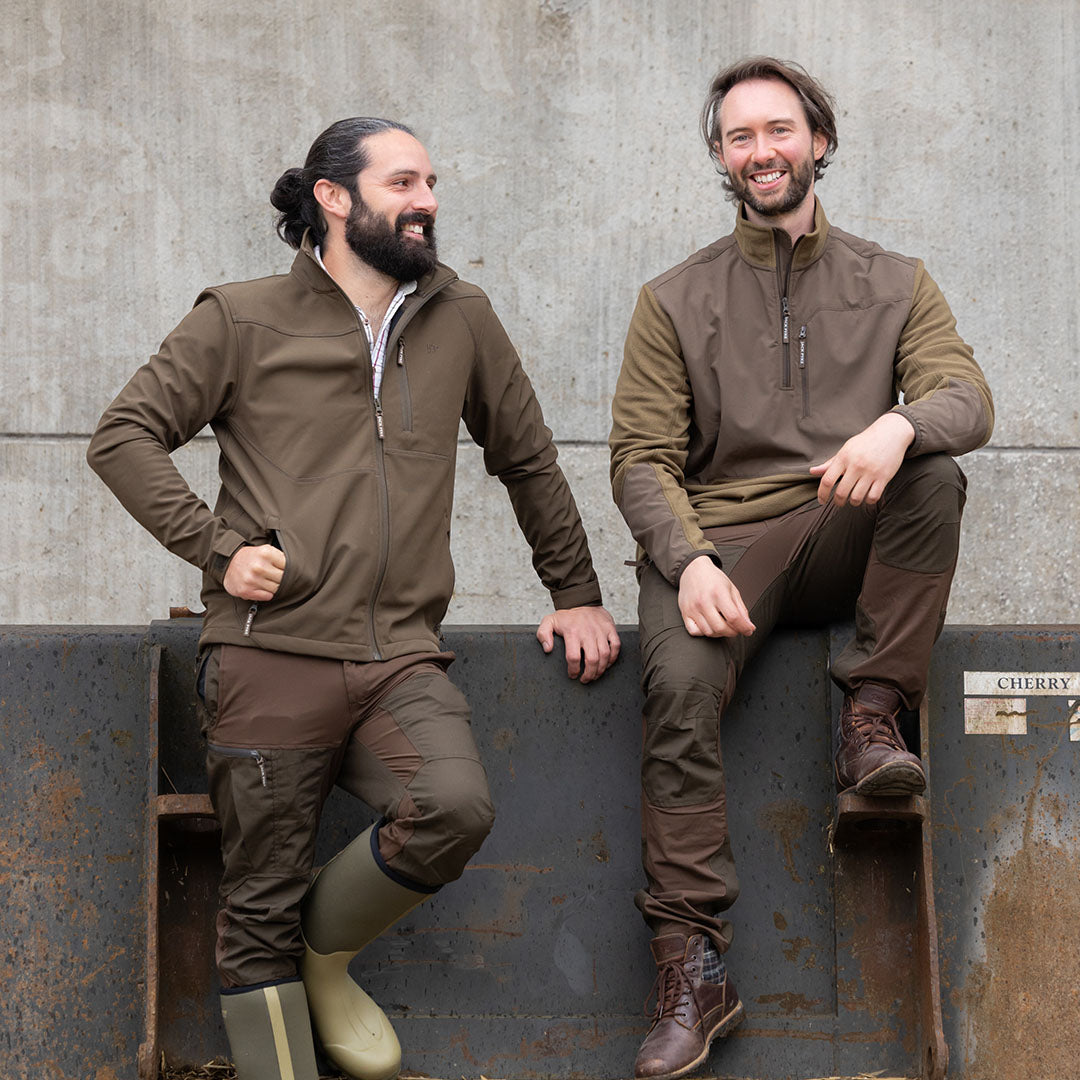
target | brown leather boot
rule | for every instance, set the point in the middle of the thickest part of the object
(871, 758)
(689, 1013)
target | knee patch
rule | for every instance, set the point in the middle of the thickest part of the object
(681, 754)
(441, 821)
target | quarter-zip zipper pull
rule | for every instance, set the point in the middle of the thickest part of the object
(784, 309)
(378, 419)
(250, 619)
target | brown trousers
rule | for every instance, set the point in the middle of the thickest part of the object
(281, 731)
(891, 565)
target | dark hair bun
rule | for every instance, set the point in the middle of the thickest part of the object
(287, 195)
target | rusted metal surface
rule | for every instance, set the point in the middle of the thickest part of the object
(1006, 823)
(72, 790)
(148, 1059)
(535, 964)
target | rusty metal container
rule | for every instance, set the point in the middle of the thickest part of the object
(536, 963)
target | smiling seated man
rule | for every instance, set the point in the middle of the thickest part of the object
(335, 393)
(784, 423)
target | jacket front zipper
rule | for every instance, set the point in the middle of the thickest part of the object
(785, 321)
(783, 278)
(403, 318)
(238, 752)
(384, 515)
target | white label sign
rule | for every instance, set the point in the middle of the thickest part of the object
(995, 702)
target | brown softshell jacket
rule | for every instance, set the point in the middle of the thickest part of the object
(356, 492)
(751, 361)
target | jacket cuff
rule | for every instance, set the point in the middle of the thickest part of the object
(587, 595)
(916, 443)
(707, 552)
(225, 547)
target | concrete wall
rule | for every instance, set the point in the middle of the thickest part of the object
(141, 142)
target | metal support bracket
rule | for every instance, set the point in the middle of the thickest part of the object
(881, 845)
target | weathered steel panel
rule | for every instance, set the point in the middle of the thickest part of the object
(1006, 823)
(72, 790)
(536, 963)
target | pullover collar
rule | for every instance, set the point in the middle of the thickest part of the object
(758, 244)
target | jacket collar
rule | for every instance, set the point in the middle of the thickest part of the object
(306, 267)
(757, 243)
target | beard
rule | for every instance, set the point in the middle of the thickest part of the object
(800, 177)
(384, 247)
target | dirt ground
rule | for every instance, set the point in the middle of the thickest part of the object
(215, 1070)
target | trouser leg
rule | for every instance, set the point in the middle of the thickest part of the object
(901, 607)
(688, 681)
(414, 760)
(275, 728)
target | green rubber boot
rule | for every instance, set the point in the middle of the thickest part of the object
(270, 1032)
(350, 903)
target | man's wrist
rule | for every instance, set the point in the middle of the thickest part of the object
(709, 553)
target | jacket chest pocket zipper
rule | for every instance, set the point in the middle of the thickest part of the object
(785, 340)
(238, 752)
(406, 397)
(804, 373)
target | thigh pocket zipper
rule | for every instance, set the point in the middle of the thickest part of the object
(239, 752)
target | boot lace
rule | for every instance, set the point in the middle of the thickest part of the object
(673, 992)
(881, 728)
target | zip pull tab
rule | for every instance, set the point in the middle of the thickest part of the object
(250, 619)
(378, 418)
(802, 346)
(784, 309)
(401, 352)
(261, 762)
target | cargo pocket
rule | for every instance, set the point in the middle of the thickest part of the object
(206, 686)
(241, 789)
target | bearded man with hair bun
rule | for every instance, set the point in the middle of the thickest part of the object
(335, 393)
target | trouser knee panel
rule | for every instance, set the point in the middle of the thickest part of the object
(681, 752)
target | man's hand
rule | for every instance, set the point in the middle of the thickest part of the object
(710, 604)
(588, 631)
(858, 472)
(254, 573)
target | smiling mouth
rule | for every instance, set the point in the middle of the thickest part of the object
(764, 179)
(415, 228)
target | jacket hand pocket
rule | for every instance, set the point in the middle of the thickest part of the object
(296, 580)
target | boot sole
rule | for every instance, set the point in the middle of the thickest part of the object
(732, 1020)
(895, 778)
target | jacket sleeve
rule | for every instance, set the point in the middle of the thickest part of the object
(505, 419)
(650, 434)
(946, 398)
(190, 381)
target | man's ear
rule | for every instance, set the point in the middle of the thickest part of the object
(820, 144)
(334, 199)
(718, 151)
